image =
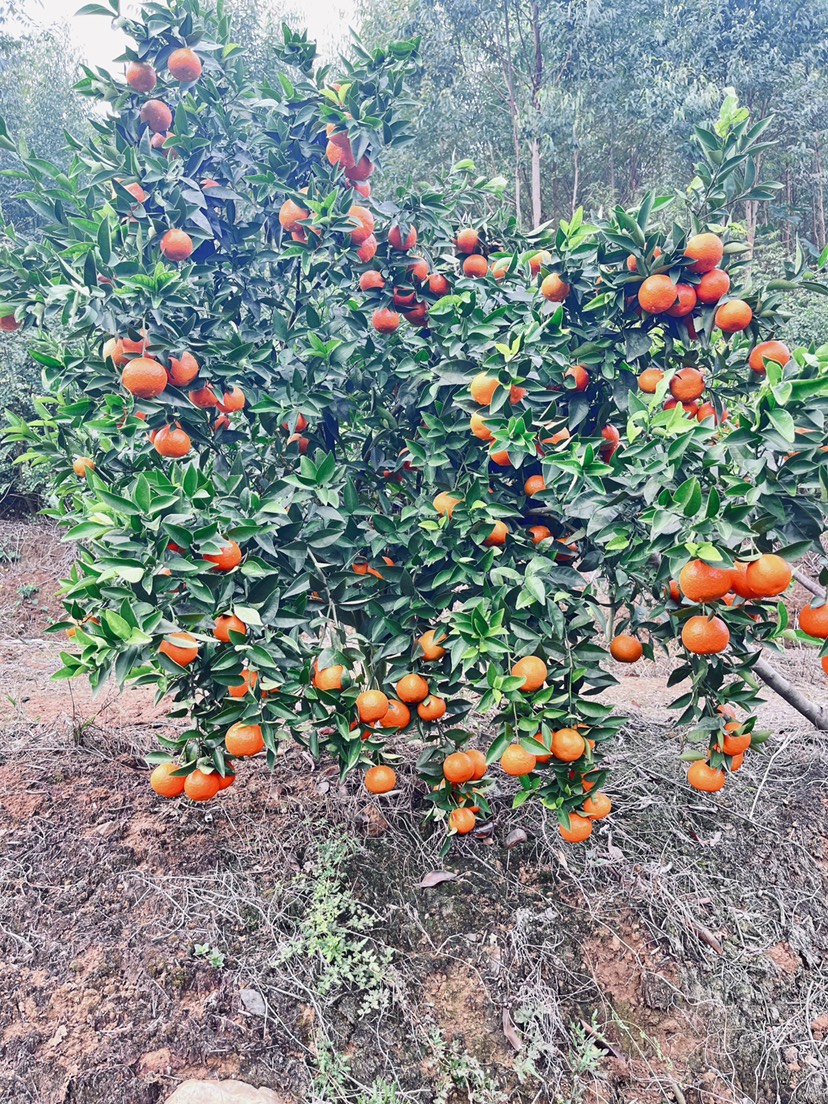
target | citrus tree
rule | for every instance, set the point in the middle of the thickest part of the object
(356, 473)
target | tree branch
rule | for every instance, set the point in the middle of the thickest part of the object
(809, 583)
(816, 714)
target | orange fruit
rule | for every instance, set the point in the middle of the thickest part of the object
(328, 678)
(183, 370)
(396, 241)
(479, 429)
(438, 284)
(739, 583)
(768, 350)
(396, 716)
(204, 397)
(461, 821)
(703, 636)
(657, 294)
(232, 400)
(597, 806)
(226, 782)
(144, 378)
(244, 739)
(482, 388)
(687, 384)
(380, 780)
(534, 485)
(431, 708)
(580, 375)
(172, 441)
(157, 116)
(444, 503)
(542, 258)
(371, 280)
(291, 216)
(372, 705)
(568, 745)
(532, 670)
(82, 464)
(200, 786)
(733, 317)
(364, 223)
(702, 583)
(738, 760)
(708, 410)
(467, 240)
(385, 320)
(814, 621)
(501, 458)
(478, 761)
(412, 688)
(475, 266)
(458, 768)
(824, 662)
(702, 776)
(626, 649)
(176, 245)
(181, 648)
(735, 741)
(185, 65)
(229, 557)
(539, 533)
(685, 303)
(516, 761)
(649, 380)
(706, 252)
(713, 286)
(163, 784)
(613, 440)
(247, 685)
(429, 646)
(140, 76)
(580, 829)
(368, 250)
(227, 623)
(498, 535)
(768, 576)
(554, 288)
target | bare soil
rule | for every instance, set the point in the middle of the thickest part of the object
(682, 954)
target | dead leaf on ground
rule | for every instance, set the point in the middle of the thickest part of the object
(514, 838)
(510, 1031)
(435, 878)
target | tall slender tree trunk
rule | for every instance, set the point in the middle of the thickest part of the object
(537, 84)
(513, 110)
(789, 203)
(820, 200)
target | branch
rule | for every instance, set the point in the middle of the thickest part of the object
(809, 583)
(816, 714)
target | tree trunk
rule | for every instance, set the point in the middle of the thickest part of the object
(537, 83)
(537, 217)
(789, 202)
(820, 201)
(513, 110)
(816, 714)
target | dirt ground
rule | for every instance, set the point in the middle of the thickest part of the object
(282, 935)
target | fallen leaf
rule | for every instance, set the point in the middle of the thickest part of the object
(253, 1001)
(707, 936)
(515, 837)
(510, 1031)
(435, 878)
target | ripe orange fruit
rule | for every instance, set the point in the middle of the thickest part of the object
(229, 557)
(708, 410)
(737, 762)
(539, 533)
(157, 116)
(248, 683)
(372, 705)
(8, 324)
(395, 239)
(814, 621)
(328, 678)
(208, 183)
(444, 503)
(533, 671)
(462, 821)
(368, 250)
(244, 739)
(542, 258)
(144, 378)
(82, 464)
(568, 744)
(176, 245)
(291, 216)
(713, 286)
(226, 782)
(613, 441)
(140, 76)
(364, 223)
(431, 708)
(554, 288)
(516, 761)
(183, 370)
(482, 388)
(475, 266)
(204, 397)
(733, 317)
(380, 780)
(479, 429)
(371, 280)
(181, 648)
(501, 458)
(467, 240)
(232, 400)
(396, 716)
(687, 384)
(458, 768)
(430, 647)
(703, 636)
(735, 741)
(478, 761)
(768, 576)
(824, 662)
(702, 776)
(385, 320)
(200, 786)
(159, 142)
(657, 294)
(412, 688)
(649, 380)
(768, 350)
(185, 65)
(438, 284)
(685, 302)
(580, 829)
(597, 806)
(227, 623)
(702, 583)
(739, 583)
(626, 649)
(706, 252)
(163, 784)
(580, 375)
(498, 535)
(534, 485)
(172, 441)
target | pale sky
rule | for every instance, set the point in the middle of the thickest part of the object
(326, 21)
